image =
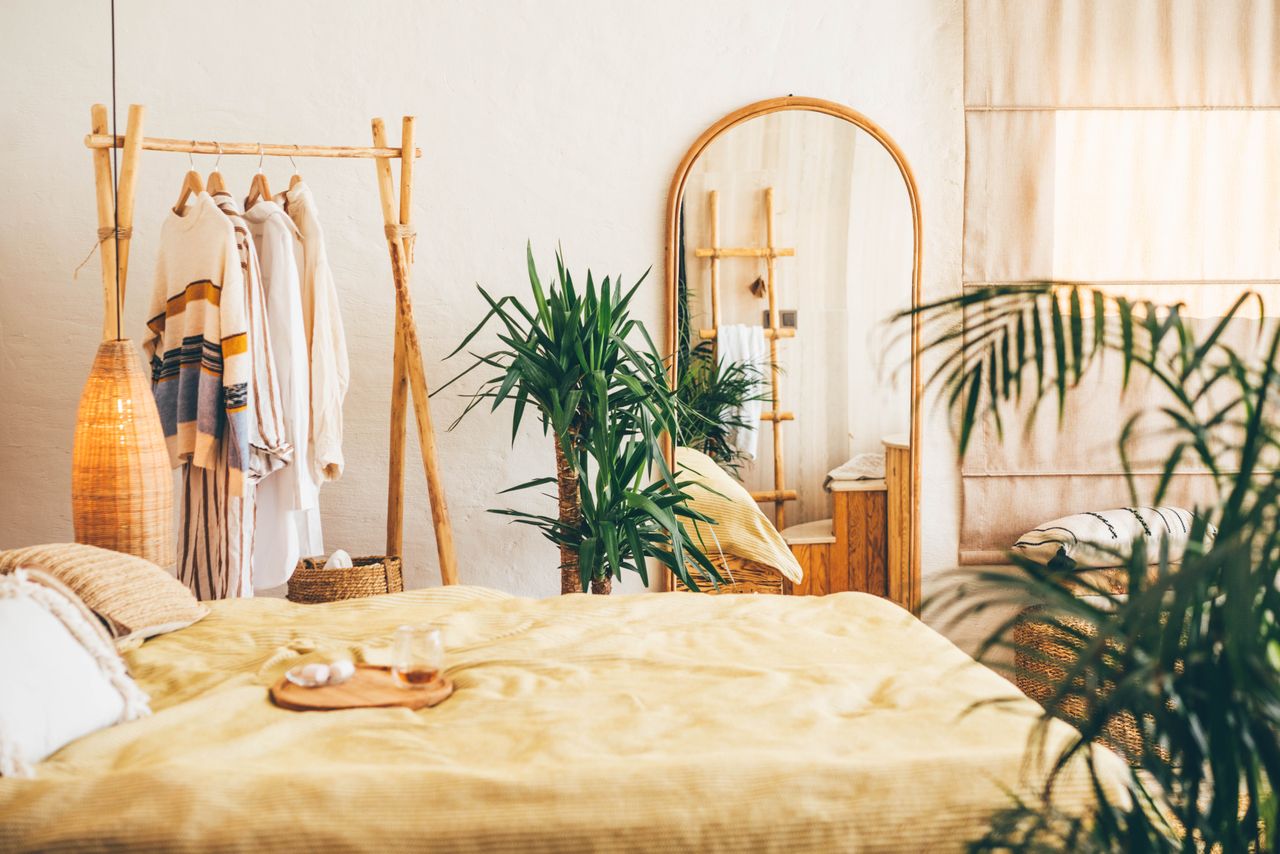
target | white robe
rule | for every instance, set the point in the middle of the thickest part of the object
(326, 340)
(288, 524)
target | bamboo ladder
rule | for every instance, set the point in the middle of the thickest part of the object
(779, 495)
(408, 374)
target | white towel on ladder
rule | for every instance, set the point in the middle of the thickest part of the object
(737, 342)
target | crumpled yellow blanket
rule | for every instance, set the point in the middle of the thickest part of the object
(673, 722)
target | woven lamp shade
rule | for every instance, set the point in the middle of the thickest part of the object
(121, 480)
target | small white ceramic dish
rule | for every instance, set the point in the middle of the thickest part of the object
(319, 675)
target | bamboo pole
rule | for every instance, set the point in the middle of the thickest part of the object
(128, 184)
(742, 252)
(788, 332)
(103, 185)
(775, 495)
(395, 458)
(399, 402)
(779, 479)
(191, 146)
(413, 353)
(714, 204)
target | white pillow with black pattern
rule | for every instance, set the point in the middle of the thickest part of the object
(1100, 540)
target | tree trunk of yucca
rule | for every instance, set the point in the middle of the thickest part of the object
(570, 516)
(602, 586)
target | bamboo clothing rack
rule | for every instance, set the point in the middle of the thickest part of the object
(770, 252)
(408, 375)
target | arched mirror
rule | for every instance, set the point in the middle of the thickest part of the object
(793, 235)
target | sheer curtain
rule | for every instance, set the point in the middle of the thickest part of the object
(1129, 144)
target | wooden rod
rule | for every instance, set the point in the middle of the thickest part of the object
(713, 202)
(779, 479)
(395, 459)
(406, 175)
(189, 146)
(399, 401)
(400, 383)
(103, 185)
(776, 495)
(714, 252)
(784, 332)
(128, 185)
(413, 360)
(777, 416)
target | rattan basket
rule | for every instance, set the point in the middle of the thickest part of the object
(1042, 656)
(121, 477)
(311, 583)
(741, 576)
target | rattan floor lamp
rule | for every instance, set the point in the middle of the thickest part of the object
(121, 479)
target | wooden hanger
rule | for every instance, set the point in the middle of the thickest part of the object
(215, 184)
(192, 183)
(258, 188)
(296, 179)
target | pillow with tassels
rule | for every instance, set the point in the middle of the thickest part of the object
(61, 675)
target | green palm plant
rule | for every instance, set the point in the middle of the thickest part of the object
(711, 395)
(599, 386)
(1192, 652)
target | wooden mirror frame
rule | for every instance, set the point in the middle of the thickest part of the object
(676, 196)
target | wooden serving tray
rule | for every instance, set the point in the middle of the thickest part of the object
(369, 687)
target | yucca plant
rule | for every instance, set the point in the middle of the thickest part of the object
(711, 395)
(595, 378)
(1192, 653)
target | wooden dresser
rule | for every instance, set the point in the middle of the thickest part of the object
(865, 545)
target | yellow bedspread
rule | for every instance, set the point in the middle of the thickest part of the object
(659, 722)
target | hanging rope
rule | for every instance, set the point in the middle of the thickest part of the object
(105, 234)
(113, 233)
(407, 233)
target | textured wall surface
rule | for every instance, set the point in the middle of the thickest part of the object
(550, 121)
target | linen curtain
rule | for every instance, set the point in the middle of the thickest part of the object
(1128, 144)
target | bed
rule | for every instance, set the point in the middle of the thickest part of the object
(658, 722)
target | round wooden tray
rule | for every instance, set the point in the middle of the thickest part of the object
(369, 687)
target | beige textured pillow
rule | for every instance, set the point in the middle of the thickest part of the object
(134, 597)
(740, 528)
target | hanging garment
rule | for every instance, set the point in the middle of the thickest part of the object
(326, 340)
(197, 339)
(269, 450)
(288, 501)
(737, 342)
(216, 537)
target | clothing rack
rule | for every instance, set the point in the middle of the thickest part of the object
(779, 495)
(408, 375)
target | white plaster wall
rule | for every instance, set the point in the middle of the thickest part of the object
(555, 121)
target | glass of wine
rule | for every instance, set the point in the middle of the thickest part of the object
(419, 656)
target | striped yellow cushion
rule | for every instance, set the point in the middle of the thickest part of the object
(740, 528)
(133, 596)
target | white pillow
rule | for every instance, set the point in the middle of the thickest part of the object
(61, 675)
(1092, 540)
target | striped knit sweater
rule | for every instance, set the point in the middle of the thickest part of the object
(197, 343)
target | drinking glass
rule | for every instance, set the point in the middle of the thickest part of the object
(419, 656)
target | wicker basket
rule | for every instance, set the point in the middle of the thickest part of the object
(311, 583)
(741, 576)
(1040, 669)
